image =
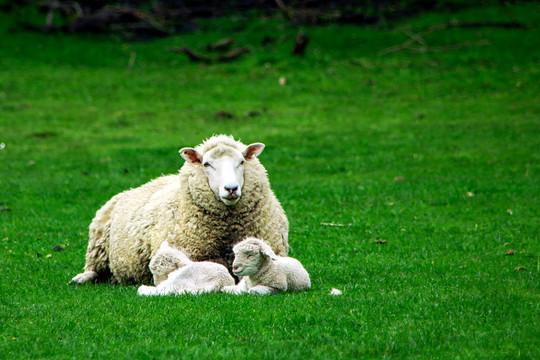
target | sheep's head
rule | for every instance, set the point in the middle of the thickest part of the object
(249, 255)
(223, 165)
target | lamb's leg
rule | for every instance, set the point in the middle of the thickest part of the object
(147, 290)
(238, 289)
(261, 290)
(97, 258)
(200, 289)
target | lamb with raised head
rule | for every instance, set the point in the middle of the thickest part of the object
(187, 277)
(220, 196)
(264, 273)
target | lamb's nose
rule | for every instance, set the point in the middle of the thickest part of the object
(231, 188)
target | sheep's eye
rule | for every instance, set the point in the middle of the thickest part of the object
(206, 164)
(241, 163)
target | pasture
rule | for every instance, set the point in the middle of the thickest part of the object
(411, 181)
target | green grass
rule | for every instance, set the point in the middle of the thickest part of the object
(460, 128)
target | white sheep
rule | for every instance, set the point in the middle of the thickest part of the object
(221, 195)
(184, 275)
(264, 273)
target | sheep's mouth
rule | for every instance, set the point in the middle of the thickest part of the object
(230, 199)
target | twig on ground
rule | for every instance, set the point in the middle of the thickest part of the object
(198, 57)
(193, 56)
(336, 225)
(233, 54)
(419, 37)
(221, 45)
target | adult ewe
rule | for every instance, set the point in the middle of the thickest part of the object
(220, 196)
(264, 273)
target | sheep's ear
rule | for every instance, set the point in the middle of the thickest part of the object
(191, 155)
(253, 150)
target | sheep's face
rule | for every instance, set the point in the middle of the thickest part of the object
(224, 169)
(225, 175)
(247, 262)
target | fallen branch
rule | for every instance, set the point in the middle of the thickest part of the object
(193, 56)
(221, 45)
(419, 37)
(233, 54)
(438, 49)
(198, 57)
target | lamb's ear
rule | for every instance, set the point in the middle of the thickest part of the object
(191, 155)
(268, 252)
(253, 150)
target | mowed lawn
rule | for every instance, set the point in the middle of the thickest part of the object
(410, 179)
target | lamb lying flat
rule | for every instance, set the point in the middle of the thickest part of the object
(264, 273)
(187, 277)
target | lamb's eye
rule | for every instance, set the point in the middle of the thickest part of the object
(206, 164)
(241, 163)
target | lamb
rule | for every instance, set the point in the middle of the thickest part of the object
(166, 260)
(264, 273)
(220, 196)
(186, 277)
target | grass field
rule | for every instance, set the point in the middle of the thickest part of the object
(408, 179)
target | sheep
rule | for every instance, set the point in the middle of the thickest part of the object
(264, 273)
(186, 277)
(220, 195)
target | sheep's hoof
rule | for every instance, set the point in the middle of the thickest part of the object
(86, 277)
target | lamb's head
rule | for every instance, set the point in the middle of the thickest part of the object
(249, 256)
(166, 260)
(223, 160)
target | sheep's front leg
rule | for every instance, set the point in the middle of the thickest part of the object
(238, 289)
(262, 290)
(86, 277)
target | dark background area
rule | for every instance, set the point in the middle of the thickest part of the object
(148, 19)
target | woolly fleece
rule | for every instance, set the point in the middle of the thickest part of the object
(182, 210)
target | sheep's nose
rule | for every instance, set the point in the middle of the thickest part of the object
(235, 268)
(231, 188)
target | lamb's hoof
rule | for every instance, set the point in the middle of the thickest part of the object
(232, 289)
(260, 291)
(145, 290)
(86, 277)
